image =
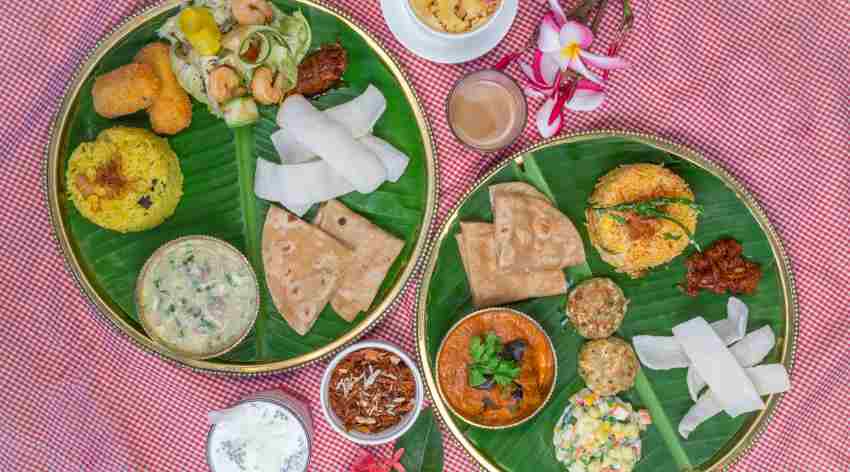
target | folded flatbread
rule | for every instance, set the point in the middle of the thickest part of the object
(531, 234)
(491, 285)
(303, 266)
(374, 254)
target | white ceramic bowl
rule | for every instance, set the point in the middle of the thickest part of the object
(389, 434)
(453, 36)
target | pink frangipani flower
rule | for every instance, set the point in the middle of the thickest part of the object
(558, 70)
(588, 96)
(544, 80)
(567, 46)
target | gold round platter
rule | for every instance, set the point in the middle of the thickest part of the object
(378, 65)
(568, 164)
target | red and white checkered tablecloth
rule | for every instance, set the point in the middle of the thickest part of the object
(760, 87)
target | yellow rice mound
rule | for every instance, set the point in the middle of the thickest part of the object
(128, 179)
(634, 183)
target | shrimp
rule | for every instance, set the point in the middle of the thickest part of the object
(267, 88)
(233, 39)
(224, 84)
(252, 12)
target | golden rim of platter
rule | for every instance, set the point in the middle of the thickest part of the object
(746, 436)
(113, 314)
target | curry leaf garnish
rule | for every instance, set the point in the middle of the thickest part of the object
(652, 209)
(487, 363)
(618, 218)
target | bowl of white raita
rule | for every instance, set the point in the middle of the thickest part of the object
(265, 432)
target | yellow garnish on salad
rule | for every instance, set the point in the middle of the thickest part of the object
(199, 26)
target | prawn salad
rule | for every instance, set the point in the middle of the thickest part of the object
(233, 54)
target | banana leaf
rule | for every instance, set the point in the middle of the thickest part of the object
(218, 165)
(568, 172)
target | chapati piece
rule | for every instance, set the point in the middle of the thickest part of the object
(303, 266)
(531, 234)
(374, 253)
(491, 285)
(520, 188)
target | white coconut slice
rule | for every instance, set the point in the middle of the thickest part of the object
(734, 327)
(749, 351)
(293, 152)
(358, 115)
(334, 143)
(695, 383)
(730, 386)
(393, 160)
(289, 149)
(362, 113)
(754, 347)
(662, 353)
(298, 186)
(767, 380)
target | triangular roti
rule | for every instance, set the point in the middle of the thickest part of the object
(491, 285)
(303, 267)
(374, 254)
(520, 188)
(531, 234)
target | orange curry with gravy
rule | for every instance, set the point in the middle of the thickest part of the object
(496, 407)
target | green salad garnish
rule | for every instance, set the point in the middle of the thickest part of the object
(488, 362)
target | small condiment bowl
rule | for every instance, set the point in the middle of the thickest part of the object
(519, 421)
(143, 315)
(389, 434)
(456, 37)
(296, 407)
(512, 87)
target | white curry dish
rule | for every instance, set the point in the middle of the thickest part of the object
(265, 432)
(197, 296)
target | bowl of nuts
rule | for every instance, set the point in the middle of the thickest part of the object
(371, 393)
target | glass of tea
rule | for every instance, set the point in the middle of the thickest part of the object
(487, 110)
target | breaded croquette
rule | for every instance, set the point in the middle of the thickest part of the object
(125, 90)
(171, 111)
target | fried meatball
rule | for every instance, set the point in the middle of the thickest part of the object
(596, 308)
(171, 110)
(608, 366)
(125, 90)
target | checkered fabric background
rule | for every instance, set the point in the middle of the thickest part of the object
(759, 87)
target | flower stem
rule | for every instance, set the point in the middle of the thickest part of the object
(582, 10)
(628, 16)
(597, 18)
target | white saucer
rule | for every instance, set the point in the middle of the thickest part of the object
(415, 38)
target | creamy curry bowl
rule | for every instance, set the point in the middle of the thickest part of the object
(454, 19)
(496, 368)
(197, 296)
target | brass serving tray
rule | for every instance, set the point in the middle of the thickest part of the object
(746, 436)
(108, 309)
